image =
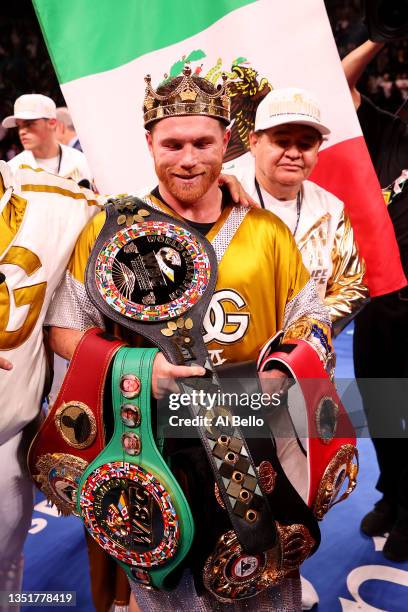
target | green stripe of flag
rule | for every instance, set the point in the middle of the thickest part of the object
(89, 36)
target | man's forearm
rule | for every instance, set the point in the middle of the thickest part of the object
(64, 341)
(346, 291)
(356, 62)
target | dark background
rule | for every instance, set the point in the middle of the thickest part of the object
(25, 66)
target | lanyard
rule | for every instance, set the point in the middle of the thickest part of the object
(59, 159)
(298, 203)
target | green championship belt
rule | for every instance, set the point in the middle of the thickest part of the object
(128, 498)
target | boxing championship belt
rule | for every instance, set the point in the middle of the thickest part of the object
(330, 439)
(129, 499)
(73, 433)
(153, 274)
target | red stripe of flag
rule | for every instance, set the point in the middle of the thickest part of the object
(345, 169)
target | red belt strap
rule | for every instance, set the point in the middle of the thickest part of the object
(307, 369)
(83, 385)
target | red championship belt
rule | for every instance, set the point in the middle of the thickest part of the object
(73, 433)
(330, 434)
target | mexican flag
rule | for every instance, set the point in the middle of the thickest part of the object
(103, 49)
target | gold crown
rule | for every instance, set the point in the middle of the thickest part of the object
(187, 98)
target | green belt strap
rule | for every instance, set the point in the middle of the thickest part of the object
(129, 499)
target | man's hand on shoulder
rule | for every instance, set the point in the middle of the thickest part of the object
(238, 194)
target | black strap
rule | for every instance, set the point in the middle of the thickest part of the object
(288, 506)
(59, 159)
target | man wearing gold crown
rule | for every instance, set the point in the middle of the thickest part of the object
(262, 287)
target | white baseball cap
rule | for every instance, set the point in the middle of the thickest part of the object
(289, 105)
(31, 106)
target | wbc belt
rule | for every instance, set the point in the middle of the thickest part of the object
(153, 274)
(129, 499)
(73, 433)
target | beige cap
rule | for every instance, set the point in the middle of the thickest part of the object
(31, 106)
(289, 105)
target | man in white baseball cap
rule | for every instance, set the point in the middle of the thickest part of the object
(35, 118)
(289, 105)
(31, 106)
(285, 145)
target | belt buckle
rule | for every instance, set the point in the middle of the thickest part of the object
(230, 574)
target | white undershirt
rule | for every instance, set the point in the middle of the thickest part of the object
(284, 209)
(49, 163)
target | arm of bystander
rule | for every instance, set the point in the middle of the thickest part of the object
(346, 292)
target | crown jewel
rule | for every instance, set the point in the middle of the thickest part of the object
(187, 98)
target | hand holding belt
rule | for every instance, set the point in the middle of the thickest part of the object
(157, 278)
(331, 438)
(73, 433)
(129, 499)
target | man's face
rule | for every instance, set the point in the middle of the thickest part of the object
(286, 154)
(131, 443)
(34, 132)
(188, 154)
(129, 385)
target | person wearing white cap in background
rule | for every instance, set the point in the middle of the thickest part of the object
(35, 118)
(285, 144)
